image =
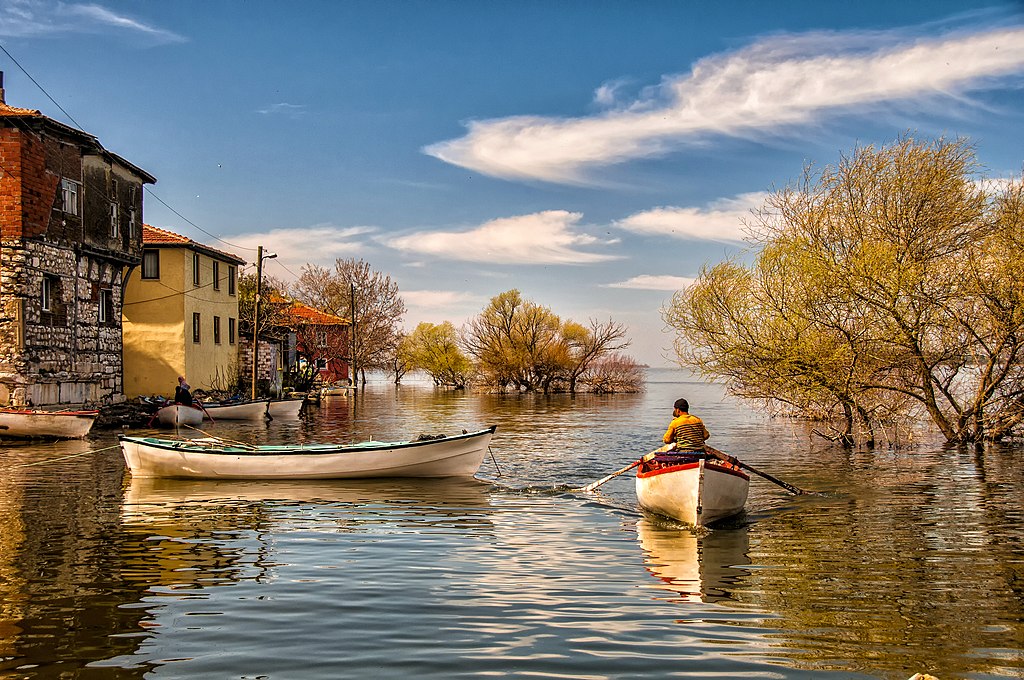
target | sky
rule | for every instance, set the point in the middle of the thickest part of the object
(592, 154)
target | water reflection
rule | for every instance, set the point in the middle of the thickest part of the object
(695, 566)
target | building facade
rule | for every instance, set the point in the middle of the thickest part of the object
(70, 226)
(180, 316)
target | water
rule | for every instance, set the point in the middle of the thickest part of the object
(910, 561)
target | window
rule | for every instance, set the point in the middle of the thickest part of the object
(133, 228)
(113, 189)
(216, 330)
(106, 313)
(195, 269)
(151, 264)
(46, 294)
(231, 331)
(231, 280)
(216, 275)
(69, 191)
(114, 220)
(196, 326)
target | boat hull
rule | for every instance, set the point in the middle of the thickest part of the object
(457, 456)
(27, 424)
(285, 408)
(697, 491)
(249, 410)
(178, 415)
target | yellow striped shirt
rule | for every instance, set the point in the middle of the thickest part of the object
(688, 432)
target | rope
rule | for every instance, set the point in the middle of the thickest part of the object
(73, 455)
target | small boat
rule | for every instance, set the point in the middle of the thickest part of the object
(176, 415)
(285, 408)
(28, 423)
(336, 390)
(214, 458)
(237, 410)
(696, 488)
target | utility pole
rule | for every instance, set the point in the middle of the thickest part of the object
(256, 315)
(352, 285)
(256, 318)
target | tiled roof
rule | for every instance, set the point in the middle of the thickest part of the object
(306, 314)
(8, 110)
(303, 313)
(154, 236)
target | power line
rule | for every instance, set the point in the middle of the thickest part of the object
(41, 88)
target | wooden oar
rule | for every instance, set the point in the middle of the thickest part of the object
(594, 485)
(795, 490)
(203, 409)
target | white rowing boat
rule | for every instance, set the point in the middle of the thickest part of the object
(213, 458)
(241, 410)
(285, 408)
(178, 415)
(28, 423)
(695, 488)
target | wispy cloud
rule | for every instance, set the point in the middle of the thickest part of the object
(440, 299)
(722, 220)
(284, 109)
(548, 237)
(31, 18)
(778, 82)
(653, 282)
(320, 244)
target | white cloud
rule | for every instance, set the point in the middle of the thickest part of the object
(720, 221)
(654, 282)
(438, 299)
(777, 82)
(548, 237)
(27, 18)
(320, 244)
(284, 109)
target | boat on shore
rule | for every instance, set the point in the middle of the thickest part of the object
(32, 423)
(697, 488)
(178, 415)
(255, 409)
(285, 408)
(214, 458)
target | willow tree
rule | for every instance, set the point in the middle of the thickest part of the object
(880, 287)
(434, 348)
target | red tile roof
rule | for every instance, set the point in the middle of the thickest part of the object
(304, 314)
(154, 236)
(8, 110)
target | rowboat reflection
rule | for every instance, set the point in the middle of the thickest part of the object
(146, 495)
(693, 567)
(202, 533)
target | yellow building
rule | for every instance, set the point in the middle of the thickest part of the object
(180, 316)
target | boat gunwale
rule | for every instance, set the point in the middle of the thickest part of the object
(187, 446)
(35, 412)
(689, 466)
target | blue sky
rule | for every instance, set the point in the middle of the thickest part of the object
(591, 154)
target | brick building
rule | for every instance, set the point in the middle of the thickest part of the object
(70, 227)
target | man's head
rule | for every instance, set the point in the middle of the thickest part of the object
(682, 406)
(181, 380)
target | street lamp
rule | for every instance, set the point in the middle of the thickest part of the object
(256, 313)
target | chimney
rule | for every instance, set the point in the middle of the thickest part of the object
(2, 101)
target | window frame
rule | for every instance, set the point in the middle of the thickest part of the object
(106, 306)
(46, 293)
(115, 220)
(155, 253)
(216, 330)
(232, 332)
(232, 274)
(70, 196)
(197, 328)
(196, 280)
(216, 274)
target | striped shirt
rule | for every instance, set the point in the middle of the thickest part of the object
(688, 432)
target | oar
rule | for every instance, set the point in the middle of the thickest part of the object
(594, 485)
(203, 409)
(739, 463)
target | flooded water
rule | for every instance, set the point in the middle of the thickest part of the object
(908, 561)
